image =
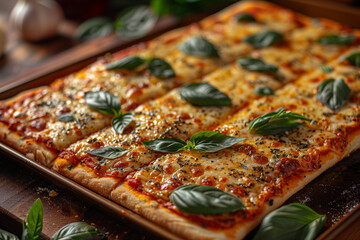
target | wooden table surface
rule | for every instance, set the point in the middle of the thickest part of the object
(19, 187)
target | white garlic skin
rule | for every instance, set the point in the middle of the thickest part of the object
(36, 20)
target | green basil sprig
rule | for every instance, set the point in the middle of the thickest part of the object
(34, 222)
(108, 103)
(337, 39)
(199, 47)
(292, 221)
(203, 94)
(66, 117)
(109, 152)
(245, 17)
(257, 65)
(157, 66)
(353, 58)
(135, 22)
(333, 93)
(200, 199)
(276, 122)
(264, 91)
(205, 141)
(94, 28)
(264, 39)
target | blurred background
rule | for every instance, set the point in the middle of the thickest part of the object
(29, 39)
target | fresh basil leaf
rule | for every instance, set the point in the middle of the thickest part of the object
(167, 145)
(120, 122)
(276, 122)
(279, 113)
(108, 152)
(161, 7)
(66, 117)
(135, 22)
(326, 69)
(104, 102)
(264, 119)
(94, 28)
(333, 93)
(264, 39)
(278, 126)
(206, 141)
(290, 115)
(77, 231)
(199, 47)
(4, 235)
(293, 221)
(160, 68)
(257, 65)
(264, 91)
(203, 94)
(199, 199)
(353, 58)
(209, 141)
(245, 17)
(129, 62)
(34, 221)
(337, 39)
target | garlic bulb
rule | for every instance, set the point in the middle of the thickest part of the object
(2, 39)
(36, 19)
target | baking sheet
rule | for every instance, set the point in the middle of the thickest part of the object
(335, 193)
(81, 191)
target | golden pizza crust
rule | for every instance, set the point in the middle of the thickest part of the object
(86, 177)
(142, 204)
(32, 150)
(150, 209)
(24, 94)
(353, 145)
(28, 147)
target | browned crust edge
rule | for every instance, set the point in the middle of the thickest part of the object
(86, 177)
(29, 148)
(148, 208)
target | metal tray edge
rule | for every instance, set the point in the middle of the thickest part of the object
(90, 195)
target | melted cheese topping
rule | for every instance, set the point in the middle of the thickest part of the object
(259, 168)
(170, 116)
(35, 118)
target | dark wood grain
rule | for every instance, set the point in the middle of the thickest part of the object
(19, 188)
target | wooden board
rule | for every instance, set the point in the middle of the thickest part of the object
(19, 187)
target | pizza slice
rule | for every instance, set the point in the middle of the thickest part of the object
(171, 116)
(179, 114)
(291, 138)
(41, 122)
(219, 39)
(134, 75)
